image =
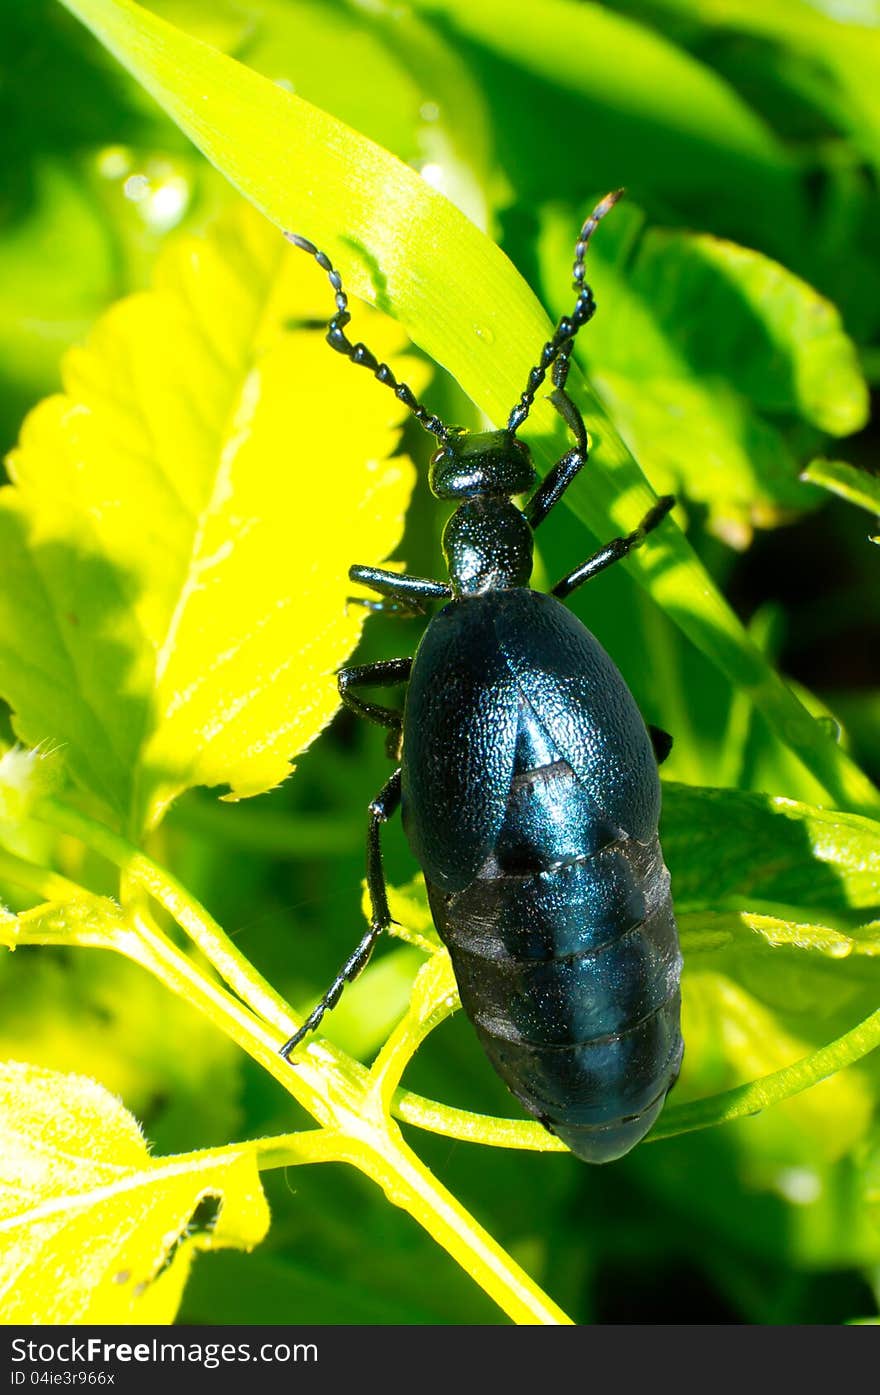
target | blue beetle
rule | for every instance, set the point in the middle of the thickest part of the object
(527, 782)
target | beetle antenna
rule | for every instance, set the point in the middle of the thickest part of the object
(557, 351)
(359, 353)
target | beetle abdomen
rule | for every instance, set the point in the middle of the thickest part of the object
(566, 955)
(544, 871)
(587, 1039)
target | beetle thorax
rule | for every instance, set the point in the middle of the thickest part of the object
(487, 541)
(488, 546)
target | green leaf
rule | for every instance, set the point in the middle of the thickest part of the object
(711, 932)
(172, 596)
(105, 1018)
(812, 982)
(856, 486)
(834, 57)
(48, 298)
(710, 351)
(727, 310)
(731, 1037)
(702, 132)
(722, 844)
(80, 1196)
(765, 980)
(314, 48)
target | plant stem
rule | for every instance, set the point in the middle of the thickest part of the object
(738, 1103)
(409, 1184)
(468, 1127)
(201, 927)
(371, 1142)
(337, 1091)
(774, 1088)
(39, 880)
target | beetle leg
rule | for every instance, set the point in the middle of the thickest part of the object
(405, 609)
(567, 409)
(555, 483)
(553, 486)
(613, 551)
(381, 809)
(405, 595)
(387, 673)
(661, 741)
(394, 743)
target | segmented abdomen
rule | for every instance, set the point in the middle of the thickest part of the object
(566, 955)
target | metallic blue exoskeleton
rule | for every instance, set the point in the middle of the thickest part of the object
(529, 787)
(544, 873)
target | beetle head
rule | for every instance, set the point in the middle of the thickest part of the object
(471, 464)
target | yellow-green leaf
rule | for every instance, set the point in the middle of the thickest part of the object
(761, 849)
(732, 1038)
(848, 482)
(92, 1229)
(174, 550)
(102, 1015)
